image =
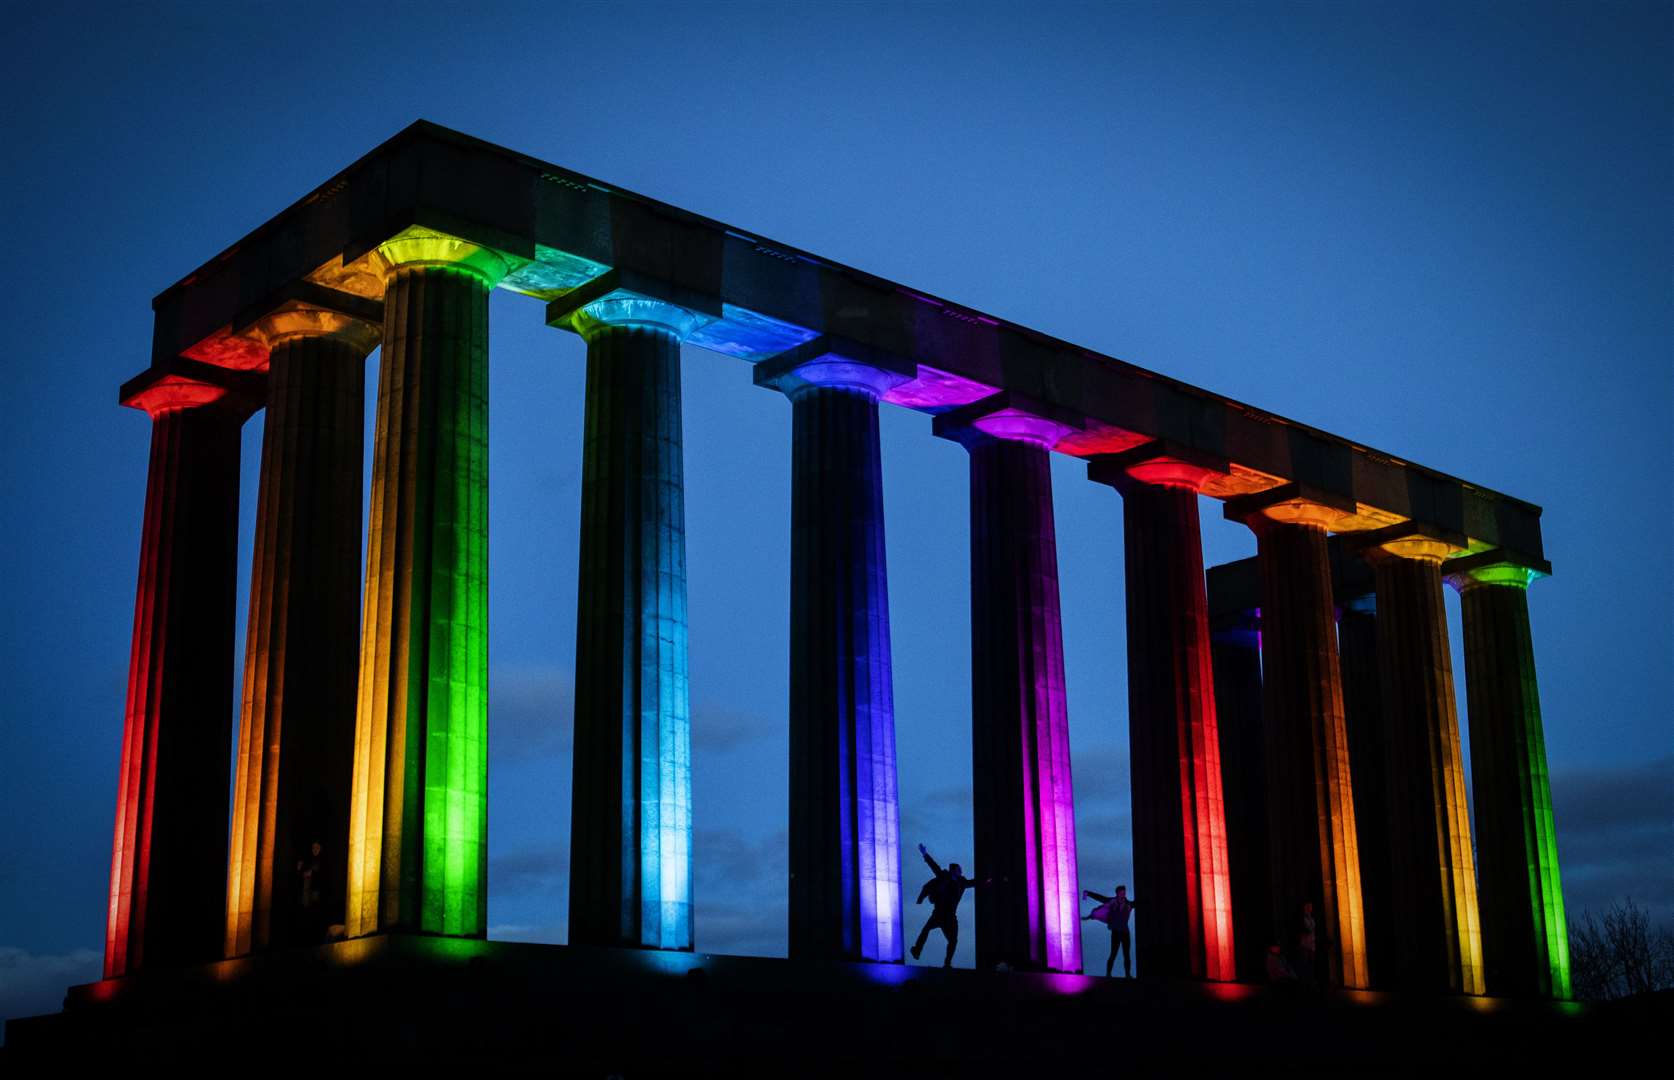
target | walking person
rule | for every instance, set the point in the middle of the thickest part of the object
(1113, 912)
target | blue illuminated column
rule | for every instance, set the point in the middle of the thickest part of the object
(631, 823)
(1024, 820)
(845, 851)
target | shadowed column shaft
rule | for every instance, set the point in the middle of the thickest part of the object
(1310, 796)
(419, 815)
(1024, 822)
(297, 722)
(1357, 642)
(168, 857)
(1179, 827)
(1434, 881)
(630, 835)
(1237, 661)
(1525, 937)
(845, 886)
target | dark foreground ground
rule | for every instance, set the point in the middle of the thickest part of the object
(576, 1011)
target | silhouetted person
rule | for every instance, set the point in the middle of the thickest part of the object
(1113, 912)
(944, 891)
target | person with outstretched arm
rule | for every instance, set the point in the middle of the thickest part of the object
(1113, 912)
(944, 891)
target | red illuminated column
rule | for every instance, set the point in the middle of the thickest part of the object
(1181, 872)
(1313, 843)
(296, 736)
(169, 853)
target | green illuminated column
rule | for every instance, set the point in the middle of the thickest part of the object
(631, 810)
(418, 826)
(1525, 938)
(297, 720)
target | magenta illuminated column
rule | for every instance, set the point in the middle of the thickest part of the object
(845, 857)
(169, 854)
(1180, 859)
(1024, 821)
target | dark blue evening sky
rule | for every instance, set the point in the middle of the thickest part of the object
(1444, 231)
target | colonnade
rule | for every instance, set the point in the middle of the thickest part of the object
(1249, 770)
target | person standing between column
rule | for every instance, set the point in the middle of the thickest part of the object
(1113, 911)
(944, 892)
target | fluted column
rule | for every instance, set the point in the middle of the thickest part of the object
(1357, 645)
(1235, 649)
(631, 809)
(418, 824)
(1024, 821)
(1180, 859)
(1312, 839)
(1525, 935)
(296, 731)
(169, 852)
(845, 850)
(1433, 876)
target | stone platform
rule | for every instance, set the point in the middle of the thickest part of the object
(603, 1012)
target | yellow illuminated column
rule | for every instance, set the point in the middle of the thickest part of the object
(418, 825)
(1436, 922)
(297, 719)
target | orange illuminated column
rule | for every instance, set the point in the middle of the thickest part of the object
(1310, 797)
(418, 813)
(1437, 930)
(1525, 937)
(1181, 872)
(169, 851)
(297, 720)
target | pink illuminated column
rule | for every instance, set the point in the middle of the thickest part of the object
(1024, 821)
(169, 854)
(1181, 873)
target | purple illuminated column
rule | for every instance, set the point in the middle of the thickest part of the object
(845, 860)
(1024, 821)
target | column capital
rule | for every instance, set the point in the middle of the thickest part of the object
(1158, 463)
(1007, 417)
(1497, 566)
(417, 246)
(1410, 540)
(837, 363)
(1297, 504)
(189, 384)
(306, 309)
(626, 300)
